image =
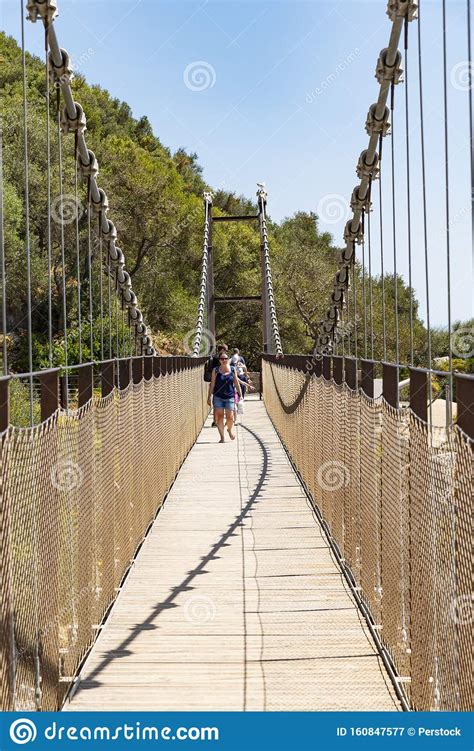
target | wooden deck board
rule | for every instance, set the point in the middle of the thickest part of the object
(235, 601)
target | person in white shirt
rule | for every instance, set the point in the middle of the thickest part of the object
(242, 374)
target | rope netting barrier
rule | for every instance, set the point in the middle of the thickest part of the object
(78, 493)
(395, 499)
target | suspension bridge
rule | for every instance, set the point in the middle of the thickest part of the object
(322, 560)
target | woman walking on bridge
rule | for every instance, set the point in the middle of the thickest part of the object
(224, 384)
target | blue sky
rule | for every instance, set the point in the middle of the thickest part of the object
(279, 92)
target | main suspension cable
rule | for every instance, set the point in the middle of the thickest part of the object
(73, 120)
(268, 293)
(203, 290)
(388, 73)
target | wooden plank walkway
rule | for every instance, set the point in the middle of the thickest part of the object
(235, 601)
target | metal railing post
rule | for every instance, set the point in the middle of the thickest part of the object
(107, 377)
(4, 403)
(85, 384)
(419, 393)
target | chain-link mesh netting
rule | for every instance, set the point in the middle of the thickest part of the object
(78, 493)
(397, 499)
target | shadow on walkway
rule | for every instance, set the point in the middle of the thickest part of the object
(185, 586)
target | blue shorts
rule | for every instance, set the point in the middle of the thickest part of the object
(219, 403)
